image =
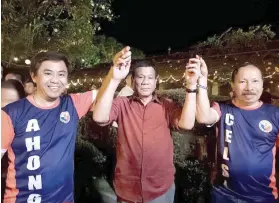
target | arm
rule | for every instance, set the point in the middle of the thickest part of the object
(7, 132)
(187, 118)
(83, 102)
(192, 73)
(205, 114)
(104, 100)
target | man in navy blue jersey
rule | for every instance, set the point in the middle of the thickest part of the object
(39, 134)
(247, 130)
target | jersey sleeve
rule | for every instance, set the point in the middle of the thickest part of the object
(83, 101)
(7, 131)
(215, 106)
(217, 110)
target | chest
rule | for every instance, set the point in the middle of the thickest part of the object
(254, 131)
(43, 129)
(152, 115)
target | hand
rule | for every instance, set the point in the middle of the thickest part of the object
(121, 64)
(192, 72)
(204, 69)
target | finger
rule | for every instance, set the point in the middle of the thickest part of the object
(127, 67)
(120, 61)
(129, 58)
(192, 70)
(202, 62)
(124, 51)
(126, 55)
(194, 60)
(127, 48)
(198, 57)
(193, 65)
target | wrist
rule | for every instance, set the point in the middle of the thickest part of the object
(115, 81)
(202, 81)
(191, 86)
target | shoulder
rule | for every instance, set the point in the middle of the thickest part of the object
(16, 106)
(271, 110)
(119, 101)
(17, 109)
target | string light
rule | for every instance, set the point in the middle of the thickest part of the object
(215, 76)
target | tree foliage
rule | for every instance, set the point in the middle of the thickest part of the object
(235, 40)
(108, 47)
(70, 26)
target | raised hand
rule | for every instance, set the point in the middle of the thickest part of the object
(121, 64)
(193, 71)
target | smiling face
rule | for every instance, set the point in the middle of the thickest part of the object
(248, 85)
(144, 81)
(51, 79)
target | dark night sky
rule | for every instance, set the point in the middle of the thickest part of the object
(153, 25)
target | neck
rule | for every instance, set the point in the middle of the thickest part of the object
(146, 100)
(41, 101)
(244, 104)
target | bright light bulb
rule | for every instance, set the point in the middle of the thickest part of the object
(27, 62)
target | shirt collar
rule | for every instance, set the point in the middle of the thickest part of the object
(155, 98)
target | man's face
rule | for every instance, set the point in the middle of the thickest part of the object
(8, 95)
(29, 88)
(51, 79)
(248, 85)
(144, 82)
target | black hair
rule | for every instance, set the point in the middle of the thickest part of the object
(38, 59)
(142, 63)
(236, 70)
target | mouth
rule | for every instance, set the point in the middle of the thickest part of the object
(249, 94)
(54, 88)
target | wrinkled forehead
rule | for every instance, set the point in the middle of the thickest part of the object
(145, 70)
(249, 72)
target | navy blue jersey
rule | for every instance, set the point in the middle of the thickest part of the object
(246, 151)
(40, 144)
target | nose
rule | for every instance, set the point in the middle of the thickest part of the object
(145, 81)
(54, 79)
(249, 86)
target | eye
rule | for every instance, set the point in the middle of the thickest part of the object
(62, 74)
(242, 81)
(255, 80)
(47, 73)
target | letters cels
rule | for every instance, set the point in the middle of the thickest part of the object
(32, 144)
(229, 120)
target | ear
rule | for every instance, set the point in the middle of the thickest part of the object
(33, 77)
(232, 86)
